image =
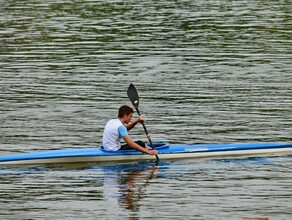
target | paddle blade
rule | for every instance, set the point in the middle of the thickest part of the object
(133, 95)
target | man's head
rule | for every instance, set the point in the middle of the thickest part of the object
(125, 111)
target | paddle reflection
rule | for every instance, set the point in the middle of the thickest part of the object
(125, 186)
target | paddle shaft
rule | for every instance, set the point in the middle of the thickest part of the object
(147, 135)
(145, 129)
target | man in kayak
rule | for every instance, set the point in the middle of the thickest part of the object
(118, 128)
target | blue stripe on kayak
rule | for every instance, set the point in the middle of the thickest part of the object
(229, 147)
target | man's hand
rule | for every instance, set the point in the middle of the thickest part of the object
(152, 152)
(140, 119)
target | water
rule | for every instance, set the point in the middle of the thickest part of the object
(225, 189)
(206, 72)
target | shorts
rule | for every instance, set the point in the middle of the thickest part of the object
(127, 147)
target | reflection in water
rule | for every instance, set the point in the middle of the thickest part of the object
(125, 186)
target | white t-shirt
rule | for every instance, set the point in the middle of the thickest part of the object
(112, 134)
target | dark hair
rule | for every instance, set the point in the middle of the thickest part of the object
(125, 110)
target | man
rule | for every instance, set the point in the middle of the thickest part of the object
(118, 128)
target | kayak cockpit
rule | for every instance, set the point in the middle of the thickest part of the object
(156, 145)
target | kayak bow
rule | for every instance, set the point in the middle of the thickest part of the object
(165, 150)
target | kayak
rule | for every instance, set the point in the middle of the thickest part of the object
(166, 151)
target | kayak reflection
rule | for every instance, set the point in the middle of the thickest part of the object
(126, 185)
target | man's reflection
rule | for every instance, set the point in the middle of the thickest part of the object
(126, 185)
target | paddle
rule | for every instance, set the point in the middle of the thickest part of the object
(134, 98)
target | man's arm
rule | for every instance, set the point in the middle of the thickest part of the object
(137, 147)
(133, 124)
